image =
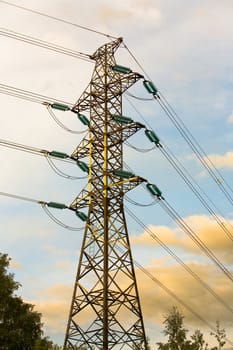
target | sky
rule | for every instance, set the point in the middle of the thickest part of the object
(185, 47)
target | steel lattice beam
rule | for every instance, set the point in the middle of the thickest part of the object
(105, 310)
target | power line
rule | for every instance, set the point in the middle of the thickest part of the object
(20, 197)
(211, 165)
(189, 181)
(62, 125)
(137, 264)
(196, 148)
(30, 149)
(186, 134)
(130, 200)
(18, 146)
(138, 98)
(135, 60)
(178, 260)
(139, 114)
(45, 153)
(58, 19)
(142, 150)
(174, 296)
(145, 271)
(59, 222)
(41, 99)
(44, 206)
(185, 227)
(50, 46)
(61, 173)
(30, 96)
(2, 1)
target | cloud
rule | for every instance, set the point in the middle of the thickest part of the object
(55, 315)
(206, 228)
(166, 234)
(54, 250)
(54, 305)
(56, 291)
(14, 264)
(131, 11)
(222, 161)
(230, 119)
(156, 301)
(54, 302)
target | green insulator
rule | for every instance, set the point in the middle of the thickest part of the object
(60, 107)
(123, 174)
(83, 166)
(58, 154)
(122, 119)
(150, 87)
(56, 205)
(84, 119)
(154, 190)
(121, 69)
(152, 136)
(81, 215)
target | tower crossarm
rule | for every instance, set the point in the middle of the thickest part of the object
(83, 149)
(128, 130)
(128, 184)
(86, 197)
(116, 86)
(81, 201)
(94, 94)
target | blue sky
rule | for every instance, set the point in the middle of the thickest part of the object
(186, 48)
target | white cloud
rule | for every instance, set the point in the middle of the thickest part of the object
(54, 250)
(129, 12)
(230, 119)
(184, 46)
(222, 161)
(14, 264)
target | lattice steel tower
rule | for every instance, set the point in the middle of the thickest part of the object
(105, 310)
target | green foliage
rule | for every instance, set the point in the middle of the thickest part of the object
(20, 325)
(175, 332)
(44, 344)
(220, 335)
(177, 335)
(198, 341)
(8, 286)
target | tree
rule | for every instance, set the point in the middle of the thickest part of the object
(177, 335)
(44, 344)
(220, 335)
(20, 325)
(198, 340)
(175, 331)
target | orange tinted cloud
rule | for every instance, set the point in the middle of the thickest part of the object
(222, 161)
(130, 11)
(155, 301)
(206, 228)
(230, 119)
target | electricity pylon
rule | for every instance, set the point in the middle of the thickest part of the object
(105, 310)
